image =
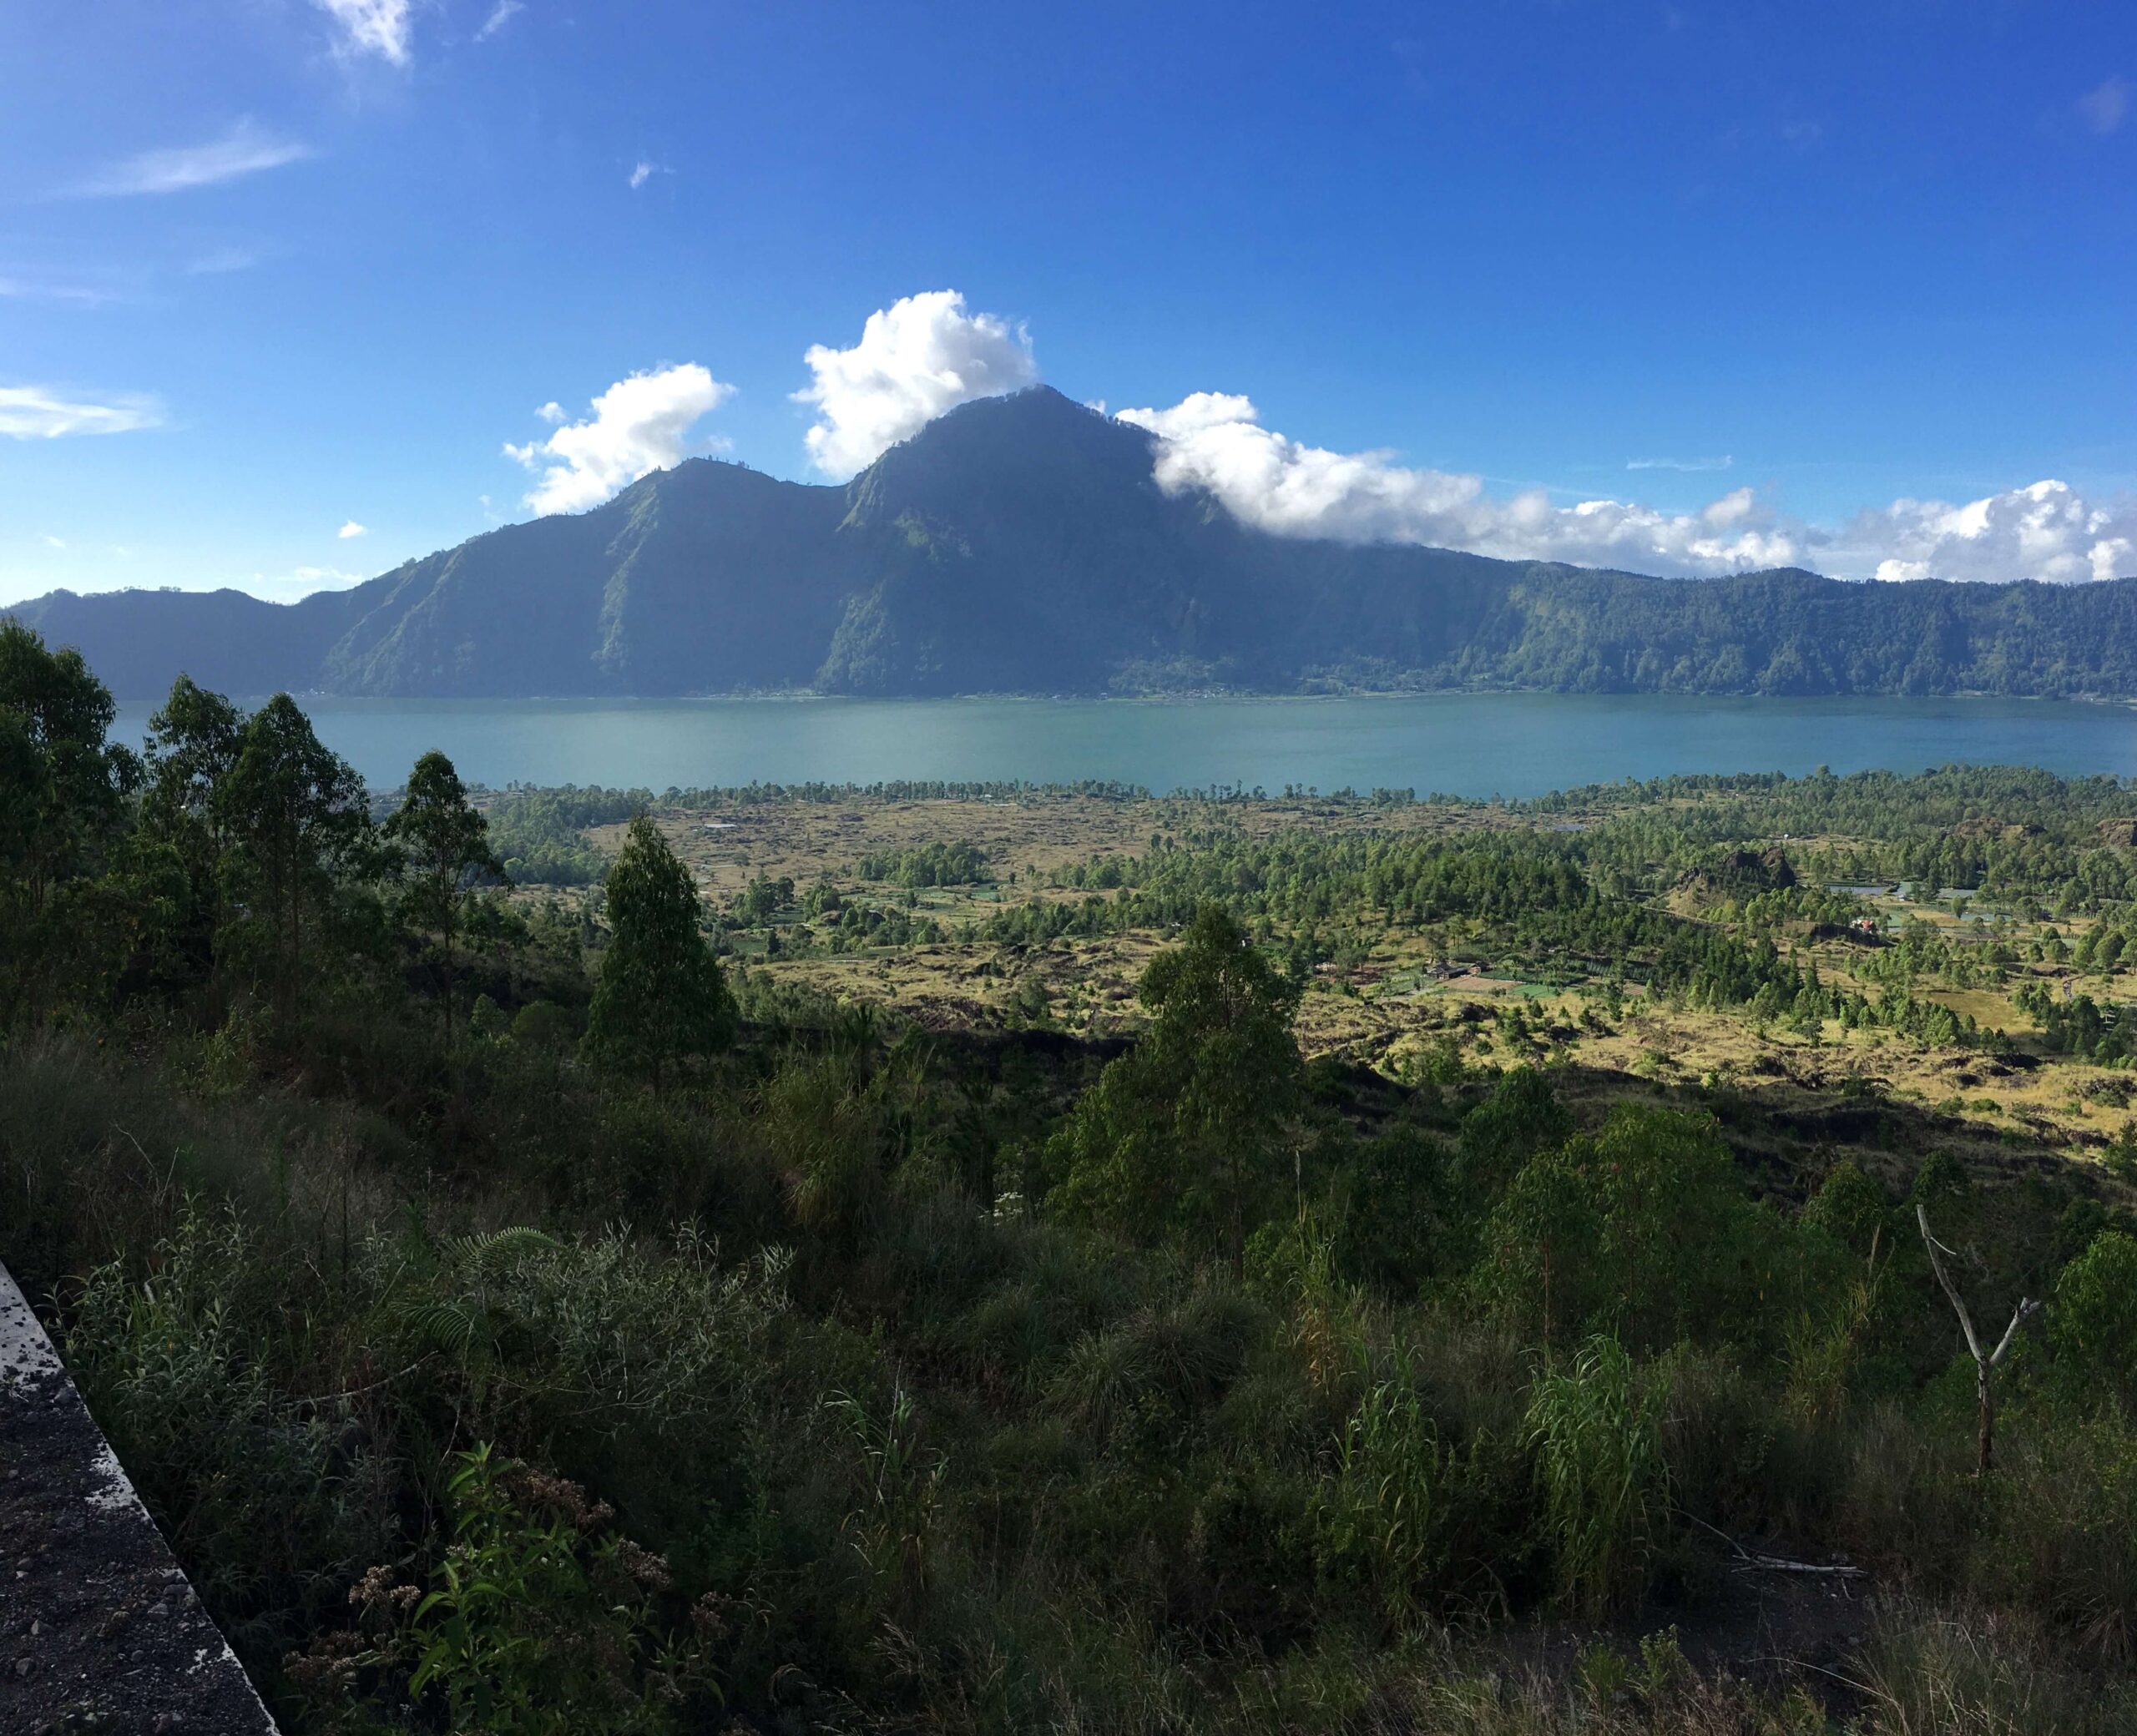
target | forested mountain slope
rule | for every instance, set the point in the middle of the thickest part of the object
(1020, 544)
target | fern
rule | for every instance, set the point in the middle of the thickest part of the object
(468, 1322)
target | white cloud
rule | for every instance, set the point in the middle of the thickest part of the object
(51, 541)
(351, 529)
(638, 425)
(2047, 531)
(501, 14)
(243, 149)
(2107, 106)
(917, 358)
(371, 27)
(40, 412)
(1724, 463)
(644, 171)
(552, 412)
(1214, 442)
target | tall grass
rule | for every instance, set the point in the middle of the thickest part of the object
(1596, 1429)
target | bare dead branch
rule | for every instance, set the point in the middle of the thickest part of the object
(1779, 1564)
(2026, 1310)
(1985, 1363)
(1944, 1278)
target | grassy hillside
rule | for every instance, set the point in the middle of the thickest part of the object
(1472, 1281)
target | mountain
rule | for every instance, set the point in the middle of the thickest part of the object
(1020, 544)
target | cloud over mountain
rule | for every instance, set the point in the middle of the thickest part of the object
(639, 424)
(1215, 440)
(926, 354)
(2047, 531)
(917, 358)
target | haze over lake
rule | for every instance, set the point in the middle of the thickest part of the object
(1471, 745)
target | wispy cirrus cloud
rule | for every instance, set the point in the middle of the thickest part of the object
(2106, 105)
(501, 14)
(244, 148)
(34, 289)
(43, 412)
(1723, 462)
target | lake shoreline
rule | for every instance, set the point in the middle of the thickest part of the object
(1196, 696)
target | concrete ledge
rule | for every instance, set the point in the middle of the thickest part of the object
(98, 1629)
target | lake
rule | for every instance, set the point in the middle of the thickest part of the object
(1472, 744)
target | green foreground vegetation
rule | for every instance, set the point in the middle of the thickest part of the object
(539, 1309)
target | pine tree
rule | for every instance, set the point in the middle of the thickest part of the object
(445, 843)
(660, 996)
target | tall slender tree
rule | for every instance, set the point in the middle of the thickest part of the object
(63, 809)
(445, 845)
(294, 815)
(193, 745)
(660, 996)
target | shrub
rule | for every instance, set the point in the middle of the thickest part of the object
(532, 1624)
(269, 1499)
(2091, 1324)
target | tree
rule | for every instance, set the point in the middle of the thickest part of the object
(660, 995)
(1642, 1230)
(62, 785)
(444, 844)
(294, 815)
(194, 741)
(193, 745)
(1184, 1130)
(2094, 1324)
(62, 795)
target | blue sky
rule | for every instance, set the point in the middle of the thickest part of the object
(1748, 274)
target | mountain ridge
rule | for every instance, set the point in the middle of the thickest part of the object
(1021, 544)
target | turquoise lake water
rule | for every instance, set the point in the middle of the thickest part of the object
(1472, 744)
